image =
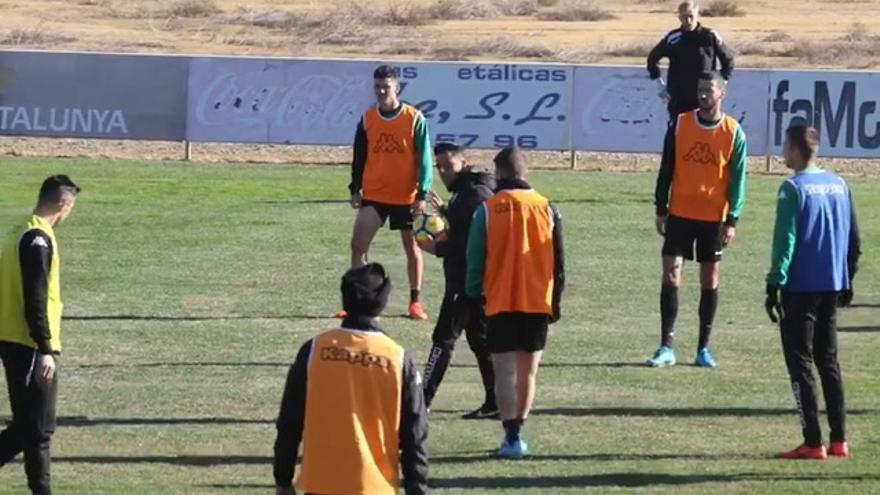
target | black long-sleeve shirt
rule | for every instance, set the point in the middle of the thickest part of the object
(35, 251)
(413, 420)
(469, 190)
(690, 54)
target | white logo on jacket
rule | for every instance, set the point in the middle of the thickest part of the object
(673, 37)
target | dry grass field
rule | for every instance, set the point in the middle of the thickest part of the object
(785, 33)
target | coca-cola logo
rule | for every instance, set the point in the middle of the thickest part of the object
(623, 101)
(315, 102)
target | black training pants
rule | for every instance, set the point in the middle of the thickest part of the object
(457, 314)
(809, 335)
(33, 415)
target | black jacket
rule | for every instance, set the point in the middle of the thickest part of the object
(413, 420)
(470, 188)
(690, 54)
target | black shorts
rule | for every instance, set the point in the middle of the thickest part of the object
(399, 216)
(511, 332)
(682, 234)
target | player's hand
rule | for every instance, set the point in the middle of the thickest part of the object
(664, 97)
(419, 207)
(46, 367)
(427, 245)
(556, 313)
(844, 299)
(660, 224)
(663, 94)
(436, 201)
(477, 304)
(355, 201)
(430, 245)
(728, 232)
(284, 491)
(772, 304)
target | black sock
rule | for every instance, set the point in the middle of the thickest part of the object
(668, 314)
(708, 305)
(414, 295)
(512, 429)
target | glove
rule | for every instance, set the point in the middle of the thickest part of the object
(557, 313)
(476, 305)
(844, 299)
(772, 305)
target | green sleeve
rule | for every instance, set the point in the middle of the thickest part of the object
(476, 253)
(739, 164)
(425, 156)
(784, 235)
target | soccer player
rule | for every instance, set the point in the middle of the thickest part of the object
(469, 187)
(354, 400)
(704, 162)
(692, 49)
(815, 249)
(515, 260)
(391, 176)
(30, 330)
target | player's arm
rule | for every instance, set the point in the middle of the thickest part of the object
(425, 157)
(476, 253)
(359, 159)
(739, 164)
(558, 263)
(725, 56)
(654, 57)
(855, 242)
(462, 215)
(35, 253)
(291, 419)
(667, 170)
(413, 431)
(784, 235)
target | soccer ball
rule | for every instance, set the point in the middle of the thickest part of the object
(428, 227)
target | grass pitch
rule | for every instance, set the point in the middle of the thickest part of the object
(189, 288)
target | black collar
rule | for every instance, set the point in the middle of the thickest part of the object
(365, 323)
(459, 181)
(505, 184)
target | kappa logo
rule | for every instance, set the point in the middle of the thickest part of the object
(701, 153)
(388, 144)
(352, 357)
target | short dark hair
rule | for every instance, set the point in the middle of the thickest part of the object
(57, 188)
(365, 290)
(386, 72)
(805, 139)
(506, 163)
(713, 76)
(447, 147)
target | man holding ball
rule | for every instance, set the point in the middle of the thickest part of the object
(470, 187)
